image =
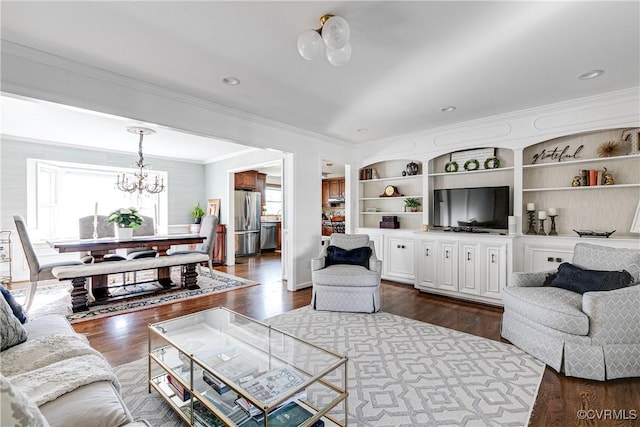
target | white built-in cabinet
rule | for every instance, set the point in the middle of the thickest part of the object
(399, 261)
(479, 266)
(470, 268)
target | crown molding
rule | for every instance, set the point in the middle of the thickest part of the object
(75, 67)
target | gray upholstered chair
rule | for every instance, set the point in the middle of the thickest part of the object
(37, 271)
(594, 335)
(346, 287)
(103, 228)
(208, 229)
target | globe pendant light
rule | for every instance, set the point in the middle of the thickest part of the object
(339, 57)
(310, 44)
(334, 34)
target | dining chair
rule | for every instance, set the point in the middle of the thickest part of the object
(208, 228)
(37, 271)
(146, 229)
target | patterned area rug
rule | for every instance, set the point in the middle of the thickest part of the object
(221, 282)
(402, 372)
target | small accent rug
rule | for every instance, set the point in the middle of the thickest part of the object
(221, 282)
(402, 372)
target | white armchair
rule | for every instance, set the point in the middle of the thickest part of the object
(594, 335)
(353, 286)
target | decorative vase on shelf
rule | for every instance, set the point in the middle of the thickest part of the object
(124, 233)
(412, 169)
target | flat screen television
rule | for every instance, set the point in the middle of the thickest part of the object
(475, 208)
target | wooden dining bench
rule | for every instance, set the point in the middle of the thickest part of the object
(78, 274)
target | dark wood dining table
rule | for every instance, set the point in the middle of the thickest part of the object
(98, 248)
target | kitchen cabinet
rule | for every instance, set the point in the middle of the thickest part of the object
(331, 189)
(246, 180)
(254, 181)
(469, 282)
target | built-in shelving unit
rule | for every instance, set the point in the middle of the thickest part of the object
(596, 207)
(371, 190)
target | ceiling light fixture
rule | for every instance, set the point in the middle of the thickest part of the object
(334, 34)
(448, 109)
(590, 75)
(138, 183)
(231, 81)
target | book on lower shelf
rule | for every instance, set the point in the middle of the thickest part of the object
(289, 415)
(271, 385)
(180, 391)
(233, 369)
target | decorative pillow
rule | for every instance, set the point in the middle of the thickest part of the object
(357, 256)
(576, 279)
(16, 409)
(15, 307)
(11, 330)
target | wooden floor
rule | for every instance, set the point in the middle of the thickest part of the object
(123, 338)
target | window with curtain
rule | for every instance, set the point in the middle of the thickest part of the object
(65, 192)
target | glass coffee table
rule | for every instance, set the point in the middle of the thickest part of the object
(220, 368)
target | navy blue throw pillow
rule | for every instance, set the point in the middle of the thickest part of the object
(357, 256)
(15, 307)
(576, 279)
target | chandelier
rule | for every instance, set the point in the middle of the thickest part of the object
(139, 183)
(333, 34)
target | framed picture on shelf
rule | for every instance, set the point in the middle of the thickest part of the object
(635, 225)
(213, 207)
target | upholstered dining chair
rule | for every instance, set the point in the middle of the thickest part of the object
(346, 275)
(103, 229)
(208, 228)
(37, 271)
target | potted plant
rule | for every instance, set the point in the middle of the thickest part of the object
(197, 213)
(412, 204)
(125, 220)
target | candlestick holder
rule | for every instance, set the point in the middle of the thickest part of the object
(95, 229)
(532, 222)
(541, 229)
(553, 231)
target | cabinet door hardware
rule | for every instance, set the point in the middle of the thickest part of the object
(426, 252)
(493, 258)
(558, 259)
(446, 254)
(468, 256)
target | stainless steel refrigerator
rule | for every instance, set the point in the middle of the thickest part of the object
(247, 221)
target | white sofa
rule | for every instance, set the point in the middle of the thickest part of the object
(53, 360)
(595, 335)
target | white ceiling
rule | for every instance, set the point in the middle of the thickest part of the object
(409, 60)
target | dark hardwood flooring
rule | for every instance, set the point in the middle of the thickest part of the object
(123, 338)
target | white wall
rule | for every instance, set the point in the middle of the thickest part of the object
(39, 75)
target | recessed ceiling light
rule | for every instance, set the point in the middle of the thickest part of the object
(448, 109)
(362, 130)
(231, 81)
(590, 75)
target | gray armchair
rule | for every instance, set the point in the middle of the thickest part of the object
(595, 335)
(37, 271)
(346, 287)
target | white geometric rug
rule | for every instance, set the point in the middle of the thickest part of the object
(402, 372)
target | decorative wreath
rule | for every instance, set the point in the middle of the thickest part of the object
(451, 167)
(492, 163)
(471, 165)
